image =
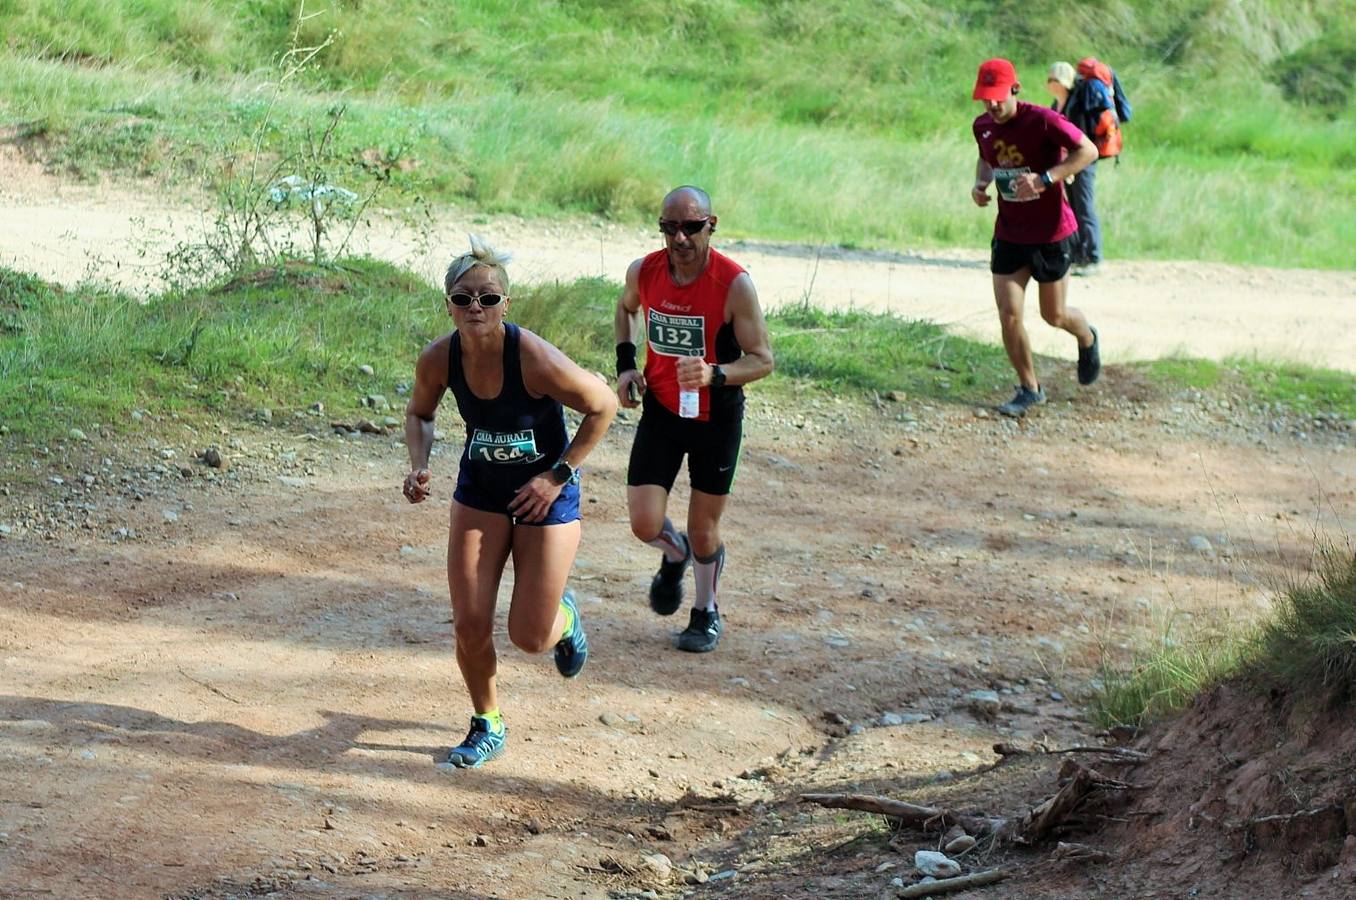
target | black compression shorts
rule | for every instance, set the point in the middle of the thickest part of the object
(662, 439)
(1048, 262)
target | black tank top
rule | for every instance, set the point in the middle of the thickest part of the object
(511, 438)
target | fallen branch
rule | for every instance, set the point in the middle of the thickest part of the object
(923, 817)
(959, 883)
(1113, 754)
(1071, 852)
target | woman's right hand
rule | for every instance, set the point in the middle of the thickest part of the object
(416, 485)
(630, 385)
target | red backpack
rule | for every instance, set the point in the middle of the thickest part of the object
(1107, 134)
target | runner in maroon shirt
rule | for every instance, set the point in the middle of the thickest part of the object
(1028, 151)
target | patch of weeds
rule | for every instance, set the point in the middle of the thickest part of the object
(1309, 645)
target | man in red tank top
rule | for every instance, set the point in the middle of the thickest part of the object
(705, 338)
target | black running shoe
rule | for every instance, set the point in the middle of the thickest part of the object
(666, 588)
(482, 744)
(1090, 360)
(702, 633)
(1024, 399)
(572, 650)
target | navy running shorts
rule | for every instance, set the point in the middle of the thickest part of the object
(565, 509)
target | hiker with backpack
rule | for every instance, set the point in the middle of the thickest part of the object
(1089, 96)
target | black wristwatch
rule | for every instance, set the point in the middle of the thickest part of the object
(717, 377)
(562, 473)
(1046, 179)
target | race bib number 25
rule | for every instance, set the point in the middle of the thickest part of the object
(677, 335)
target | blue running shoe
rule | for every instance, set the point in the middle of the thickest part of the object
(572, 650)
(482, 744)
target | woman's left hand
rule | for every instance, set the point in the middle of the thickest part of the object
(533, 500)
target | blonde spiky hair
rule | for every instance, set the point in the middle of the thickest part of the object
(481, 254)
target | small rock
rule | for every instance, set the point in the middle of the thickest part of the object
(981, 412)
(960, 844)
(292, 481)
(376, 401)
(367, 426)
(890, 719)
(660, 865)
(938, 865)
(480, 841)
(984, 704)
(170, 515)
(1057, 696)
(78, 435)
(612, 720)
(533, 826)
(264, 414)
(366, 369)
(1200, 544)
(316, 409)
(390, 422)
(213, 458)
(897, 396)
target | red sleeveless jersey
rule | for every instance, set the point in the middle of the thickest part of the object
(682, 320)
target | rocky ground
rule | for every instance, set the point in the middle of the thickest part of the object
(230, 675)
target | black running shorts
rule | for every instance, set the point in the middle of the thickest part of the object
(1048, 262)
(663, 438)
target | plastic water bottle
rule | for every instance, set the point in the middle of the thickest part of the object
(689, 403)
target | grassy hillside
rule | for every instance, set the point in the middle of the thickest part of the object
(288, 337)
(843, 122)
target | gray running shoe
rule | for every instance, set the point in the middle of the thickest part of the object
(702, 633)
(666, 588)
(1024, 399)
(1086, 270)
(1090, 360)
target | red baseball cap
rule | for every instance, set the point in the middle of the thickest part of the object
(995, 81)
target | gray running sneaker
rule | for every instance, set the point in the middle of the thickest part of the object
(1024, 399)
(1090, 360)
(1086, 270)
(702, 633)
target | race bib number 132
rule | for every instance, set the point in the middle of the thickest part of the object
(677, 335)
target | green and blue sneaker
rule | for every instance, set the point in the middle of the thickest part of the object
(572, 650)
(483, 743)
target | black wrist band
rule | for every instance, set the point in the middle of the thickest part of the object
(626, 357)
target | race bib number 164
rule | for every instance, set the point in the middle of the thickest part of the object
(677, 335)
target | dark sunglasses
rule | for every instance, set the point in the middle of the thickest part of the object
(464, 300)
(689, 227)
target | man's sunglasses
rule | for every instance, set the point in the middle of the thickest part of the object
(689, 227)
(486, 300)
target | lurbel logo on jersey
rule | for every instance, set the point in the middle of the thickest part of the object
(676, 307)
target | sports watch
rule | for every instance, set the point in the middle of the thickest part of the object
(562, 473)
(1046, 179)
(717, 377)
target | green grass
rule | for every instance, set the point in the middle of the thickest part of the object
(1309, 644)
(1306, 646)
(1283, 387)
(289, 336)
(840, 124)
(1165, 675)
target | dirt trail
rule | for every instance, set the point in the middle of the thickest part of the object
(1144, 310)
(226, 685)
(247, 693)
